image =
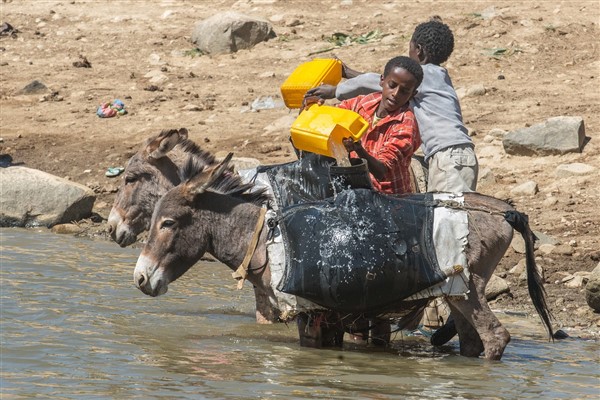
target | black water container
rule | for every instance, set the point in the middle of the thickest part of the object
(355, 176)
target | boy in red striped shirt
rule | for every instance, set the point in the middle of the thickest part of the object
(393, 134)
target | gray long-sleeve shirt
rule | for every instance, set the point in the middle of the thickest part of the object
(436, 107)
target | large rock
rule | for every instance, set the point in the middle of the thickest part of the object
(592, 289)
(229, 32)
(558, 135)
(32, 198)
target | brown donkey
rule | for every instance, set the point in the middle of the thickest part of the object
(157, 167)
(214, 206)
(149, 174)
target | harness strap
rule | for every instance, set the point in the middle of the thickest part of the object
(242, 271)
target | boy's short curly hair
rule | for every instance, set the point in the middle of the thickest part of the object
(406, 63)
(436, 39)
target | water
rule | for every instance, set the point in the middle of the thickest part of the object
(75, 327)
(339, 152)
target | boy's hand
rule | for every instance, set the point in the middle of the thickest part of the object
(310, 100)
(348, 72)
(323, 91)
(351, 145)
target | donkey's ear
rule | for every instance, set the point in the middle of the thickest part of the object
(165, 142)
(183, 133)
(201, 182)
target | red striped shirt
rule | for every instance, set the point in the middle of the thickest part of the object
(392, 141)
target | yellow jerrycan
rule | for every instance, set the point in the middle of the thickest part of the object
(320, 128)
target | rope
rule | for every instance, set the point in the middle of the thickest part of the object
(242, 272)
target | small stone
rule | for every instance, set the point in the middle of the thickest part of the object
(495, 287)
(560, 334)
(101, 204)
(497, 133)
(529, 188)
(476, 90)
(193, 107)
(519, 268)
(550, 201)
(546, 248)
(575, 282)
(267, 74)
(66, 229)
(574, 169)
(276, 18)
(293, 22)
(34, 87)
(563, 249)
(269, 148)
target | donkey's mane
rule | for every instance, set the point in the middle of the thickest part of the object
(190, 148)
(227, 183)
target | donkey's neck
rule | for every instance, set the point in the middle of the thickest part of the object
(232, 233)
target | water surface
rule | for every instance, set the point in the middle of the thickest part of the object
(75, 327)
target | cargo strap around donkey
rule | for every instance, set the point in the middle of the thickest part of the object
(242, 272)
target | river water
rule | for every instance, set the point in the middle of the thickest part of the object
(73, 326)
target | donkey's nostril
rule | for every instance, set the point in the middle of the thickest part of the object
(141, 280)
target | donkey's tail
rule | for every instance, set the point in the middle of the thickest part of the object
(520, 222)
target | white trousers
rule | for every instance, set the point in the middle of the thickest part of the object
(453, 169)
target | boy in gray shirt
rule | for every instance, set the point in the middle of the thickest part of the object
(447, 147)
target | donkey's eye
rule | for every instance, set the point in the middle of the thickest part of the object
(130, 179)
(167, 223)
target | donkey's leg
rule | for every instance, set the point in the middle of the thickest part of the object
(320, 329)
(310, 333)
(332, 331)
(265, 312)
(478, 314)
(470, 342)
(381, 332)
(484, 251)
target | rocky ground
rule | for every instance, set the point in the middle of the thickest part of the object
(532, 60)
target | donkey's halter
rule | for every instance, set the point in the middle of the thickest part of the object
(242, 272)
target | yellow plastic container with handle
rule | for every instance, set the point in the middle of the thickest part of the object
(307, 76)
(317, 127)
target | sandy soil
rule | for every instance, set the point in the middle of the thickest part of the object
(550, 67)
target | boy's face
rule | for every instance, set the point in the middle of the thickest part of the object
(399, 86)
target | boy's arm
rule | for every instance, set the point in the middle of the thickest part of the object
(348, 72)
(376, 167)
(360, 85)
(401, 142)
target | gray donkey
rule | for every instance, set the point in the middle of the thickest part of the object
(213, 206)
(149, 174)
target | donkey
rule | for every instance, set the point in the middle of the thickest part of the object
(148, 175)
(213, 206)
